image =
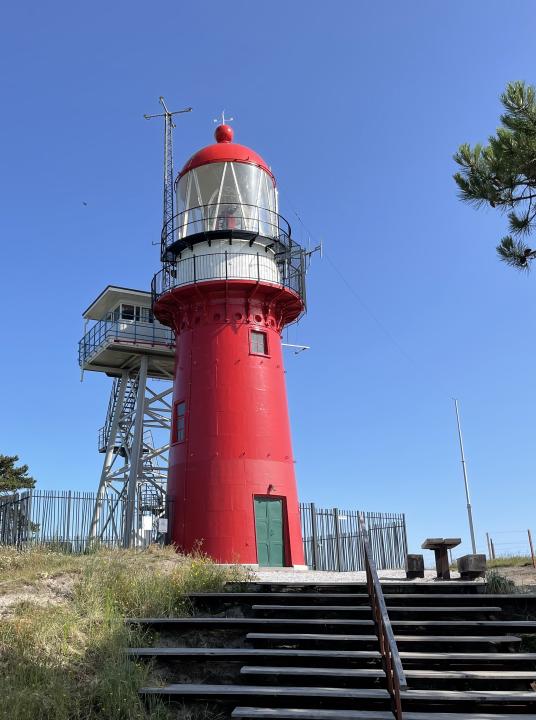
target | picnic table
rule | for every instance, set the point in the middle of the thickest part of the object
(441, 546)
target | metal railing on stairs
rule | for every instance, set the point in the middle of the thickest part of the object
(392, 665)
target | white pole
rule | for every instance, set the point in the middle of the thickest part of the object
(466, 482)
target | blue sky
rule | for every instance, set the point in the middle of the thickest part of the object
(358, 107)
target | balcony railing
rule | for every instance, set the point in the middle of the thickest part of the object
(285, 270)
(126, 331)
(222, 220)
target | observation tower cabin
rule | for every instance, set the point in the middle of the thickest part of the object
(124, 329)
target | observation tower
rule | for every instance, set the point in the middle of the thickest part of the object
(232, 278)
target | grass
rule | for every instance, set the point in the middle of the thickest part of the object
(510, 561)
(66, 661)
(497, 584)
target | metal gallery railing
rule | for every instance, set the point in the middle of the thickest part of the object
(127, 331)
(392, 665)
(332, 538)
(285, 270)
(206, 221)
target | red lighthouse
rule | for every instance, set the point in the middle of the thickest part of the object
(232, 278)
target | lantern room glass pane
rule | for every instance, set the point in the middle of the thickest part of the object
(231, 195)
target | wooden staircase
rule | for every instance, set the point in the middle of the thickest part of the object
(311, 651)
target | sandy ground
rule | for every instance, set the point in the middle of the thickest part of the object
(50, 591)
(524, 576)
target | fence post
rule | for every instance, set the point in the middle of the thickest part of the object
(489, 546)
(68, 529)
(531, 550)
(226, 264)
(314, 536)
(337, 537)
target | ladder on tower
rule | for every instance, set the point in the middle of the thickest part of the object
(129, 403)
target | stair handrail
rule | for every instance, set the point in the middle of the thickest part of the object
(394, 672)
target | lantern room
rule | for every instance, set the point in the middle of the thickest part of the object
(224, 187)
(227, 226)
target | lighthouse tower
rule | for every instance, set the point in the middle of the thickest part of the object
(232, 278)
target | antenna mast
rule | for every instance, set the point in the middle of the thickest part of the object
(169, 125)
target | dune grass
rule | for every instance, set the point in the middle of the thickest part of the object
(66, 661)
(510, 561)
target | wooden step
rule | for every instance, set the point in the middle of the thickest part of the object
(401, 640)
(257, 655)
(233, 693)
(439, 626)
(232, 623)
(473, 696)
(508, 657)
(362, 609)
(249, 713)
(474, 626)
(429, 588)
(254, 713)
(378, 696)
(287, 597)
(329, 674)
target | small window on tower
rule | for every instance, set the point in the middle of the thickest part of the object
(258, 343)
(180, 422)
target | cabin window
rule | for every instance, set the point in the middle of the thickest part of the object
(258, 342)
(146, 314)
(127, 312)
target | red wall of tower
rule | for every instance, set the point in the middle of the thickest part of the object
(237, 442)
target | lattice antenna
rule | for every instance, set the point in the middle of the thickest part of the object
(169, 125)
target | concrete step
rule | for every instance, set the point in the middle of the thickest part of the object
(258, 713)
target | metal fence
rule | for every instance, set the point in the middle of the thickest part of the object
(332, 540)
(331, 537)
(63, 520)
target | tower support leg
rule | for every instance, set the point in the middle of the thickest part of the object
(108, 459)
(135, 456)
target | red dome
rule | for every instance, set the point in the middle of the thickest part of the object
(225, 151)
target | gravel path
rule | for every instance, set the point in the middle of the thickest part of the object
(322, 576)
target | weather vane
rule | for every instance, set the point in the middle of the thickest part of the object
(223, 119)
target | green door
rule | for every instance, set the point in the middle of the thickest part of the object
(269, 529)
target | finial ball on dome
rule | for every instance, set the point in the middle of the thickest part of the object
(224, 133)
